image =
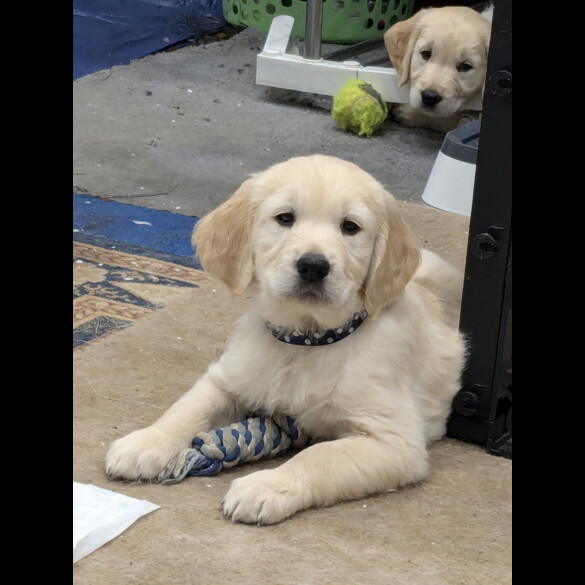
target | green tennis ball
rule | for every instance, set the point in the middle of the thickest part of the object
(359, 108)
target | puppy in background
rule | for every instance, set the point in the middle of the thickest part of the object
(443, 53)
(352, 330)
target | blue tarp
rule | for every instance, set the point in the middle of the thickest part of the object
(113, 32)
(150, 229)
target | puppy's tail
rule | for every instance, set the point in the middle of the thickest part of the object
(444, 281)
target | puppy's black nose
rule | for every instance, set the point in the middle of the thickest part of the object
(313, 267)
(430, 97)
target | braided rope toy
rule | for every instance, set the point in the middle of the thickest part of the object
(252, 439)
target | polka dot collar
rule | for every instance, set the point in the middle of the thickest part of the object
(317, 337)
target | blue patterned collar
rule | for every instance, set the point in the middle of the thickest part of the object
(317, 337)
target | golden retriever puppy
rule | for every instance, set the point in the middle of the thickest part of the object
(319, 247)
(443, 53)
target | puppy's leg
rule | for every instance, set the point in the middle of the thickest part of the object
(144, 453)
(323, 474)
(408, 116)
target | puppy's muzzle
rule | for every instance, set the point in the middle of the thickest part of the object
(430, 98)
(313, 267)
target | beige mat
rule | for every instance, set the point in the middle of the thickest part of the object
(453, 529)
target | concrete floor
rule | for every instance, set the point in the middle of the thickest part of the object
(180, 130)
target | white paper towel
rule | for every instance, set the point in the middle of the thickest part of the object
(100, 515)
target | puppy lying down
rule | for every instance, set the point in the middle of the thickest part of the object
(443, 53)
(319, 246)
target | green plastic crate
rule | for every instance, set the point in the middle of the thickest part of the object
(344, 21)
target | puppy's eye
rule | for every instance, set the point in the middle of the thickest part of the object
(464, 66)
(285, 219)
(426, 55)
(350, 228)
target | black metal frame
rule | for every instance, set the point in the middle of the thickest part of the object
(482, 410)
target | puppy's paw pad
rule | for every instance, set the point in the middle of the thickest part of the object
(260, 498)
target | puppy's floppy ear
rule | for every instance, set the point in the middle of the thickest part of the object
(394, 261)
(222, 240)
(399, 40)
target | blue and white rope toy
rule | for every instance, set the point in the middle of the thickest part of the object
(252, 439)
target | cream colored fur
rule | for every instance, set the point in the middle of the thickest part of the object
(374, 400)
(443, 51)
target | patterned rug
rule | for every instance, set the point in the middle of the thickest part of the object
(112, 289)
(115, 283)
(128, 378)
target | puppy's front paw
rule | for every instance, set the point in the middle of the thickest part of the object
(142, 454)
(400, 113)
(263, 497)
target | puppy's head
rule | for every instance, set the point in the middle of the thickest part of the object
(443, 53)
(317, 238)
